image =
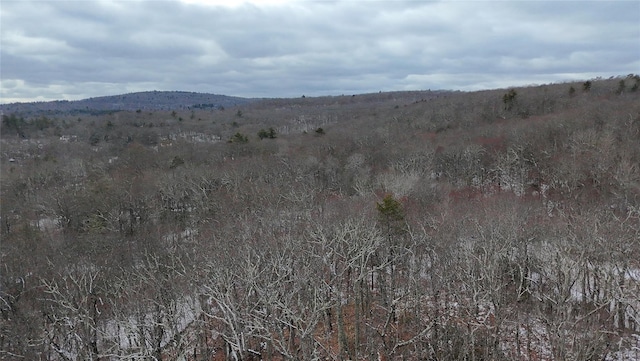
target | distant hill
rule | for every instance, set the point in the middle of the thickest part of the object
(151, 100)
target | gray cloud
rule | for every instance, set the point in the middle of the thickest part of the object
(61, 49)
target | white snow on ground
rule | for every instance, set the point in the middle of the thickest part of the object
(46, 224)
(195, 137)
(134, 334)
(629, 349)
(185, 236)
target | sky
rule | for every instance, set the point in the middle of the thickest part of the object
(69, 50)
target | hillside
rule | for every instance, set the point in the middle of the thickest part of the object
(492, 225)
(151, 100)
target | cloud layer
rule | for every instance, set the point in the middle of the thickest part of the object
(77, 49)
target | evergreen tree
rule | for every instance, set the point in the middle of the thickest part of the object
(391, 216)
(509, 99)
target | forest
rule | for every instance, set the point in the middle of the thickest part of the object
(421, 225)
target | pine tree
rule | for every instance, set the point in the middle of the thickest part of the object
(509, 99)
(391, 216)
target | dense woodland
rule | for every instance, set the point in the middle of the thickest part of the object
(149, 101)
(491, 225)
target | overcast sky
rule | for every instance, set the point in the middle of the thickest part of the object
(59, 49)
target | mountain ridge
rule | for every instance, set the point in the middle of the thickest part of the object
(147, 100)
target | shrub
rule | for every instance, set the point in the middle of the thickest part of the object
(271, 134)
(176, 162)
(239, 138)
(94, 139)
